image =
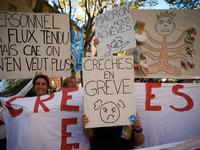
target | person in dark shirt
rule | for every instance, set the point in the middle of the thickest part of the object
(107, 138)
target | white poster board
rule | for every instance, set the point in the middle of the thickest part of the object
(114, 30)
(109, 93)
(31, 42)
(167, 40)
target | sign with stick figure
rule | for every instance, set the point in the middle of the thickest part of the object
(114, 30)
(109, 92)
(170, 39)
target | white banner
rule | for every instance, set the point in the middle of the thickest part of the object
(169, 113)
(49, 122)
(31, 42)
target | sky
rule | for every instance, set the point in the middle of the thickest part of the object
(161, 5)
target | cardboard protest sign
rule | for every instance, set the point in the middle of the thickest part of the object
(109, 94)
(114, 30)
(31, 42)
(170, 42)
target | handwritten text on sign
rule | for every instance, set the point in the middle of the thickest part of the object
(108, 86)
(114, 30)
(34, 42)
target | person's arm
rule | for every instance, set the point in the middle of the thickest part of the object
(96, 42)
(138, 136)
(88, 132)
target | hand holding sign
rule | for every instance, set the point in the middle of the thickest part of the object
(108, 90)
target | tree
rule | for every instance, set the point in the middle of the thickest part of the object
(12, 84)
(93, 8)
(66, 7)
(183, 4)
(39, 6)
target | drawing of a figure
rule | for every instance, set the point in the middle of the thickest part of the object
(109, 111)
(116, 45)
(165, 26)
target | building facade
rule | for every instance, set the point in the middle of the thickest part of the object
(24, 6)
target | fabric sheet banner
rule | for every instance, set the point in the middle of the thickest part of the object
(49, 122)
(2, 125)
(169, 113)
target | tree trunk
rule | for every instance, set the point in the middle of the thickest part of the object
(39, 6)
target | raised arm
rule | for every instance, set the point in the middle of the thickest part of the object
(138, 136)
(88, 132)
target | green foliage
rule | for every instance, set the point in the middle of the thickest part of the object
(83, 12)
(92, 8)
(12, 84)
(183, 4)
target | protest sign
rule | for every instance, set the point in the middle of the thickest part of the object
(114, 30)
(170, 41)
(109, 95)
(31, 42)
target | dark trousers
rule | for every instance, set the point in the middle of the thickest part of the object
(3, 144)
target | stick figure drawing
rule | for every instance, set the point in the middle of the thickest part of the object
(165, 26)
(116, 45)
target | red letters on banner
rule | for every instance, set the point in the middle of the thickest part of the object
(65, 122)
(40, 102)
(12, 111)
(188, 99)
(149, 96)
(65, 97)
(65, 134)
(63, 106)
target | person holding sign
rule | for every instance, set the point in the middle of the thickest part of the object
(40, 86)
(117, 137)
